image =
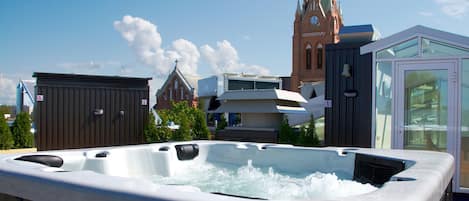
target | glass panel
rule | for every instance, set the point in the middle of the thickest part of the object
(383, 105)
(464, 178)
(431, 48)
(319, 125)
(267, 85)
(406, 49)
(425, 109)
(240, 85)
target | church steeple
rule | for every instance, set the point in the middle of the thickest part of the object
(317, 23)
(299, 11)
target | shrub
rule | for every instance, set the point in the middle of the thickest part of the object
(6, 139)
(308, 135)
(21, 131)
(222, 123)
(184, 131)
(286, 133)
(154, 133)
(200, 129)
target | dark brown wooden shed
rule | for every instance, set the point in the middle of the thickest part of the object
(348, 117)
(79, 111)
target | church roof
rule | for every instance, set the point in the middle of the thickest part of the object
(189, 81)
(326, 5)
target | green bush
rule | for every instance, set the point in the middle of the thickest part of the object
(222, 123)
(6, 139)
(200, 129)
(286, 133)
(154, 133)
(308, 136)
(192, 123)
(184, 131)
(21, 131)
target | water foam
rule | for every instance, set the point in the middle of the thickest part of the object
(251, 181)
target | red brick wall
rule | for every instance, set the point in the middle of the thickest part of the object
(306, 34)
(164, 99)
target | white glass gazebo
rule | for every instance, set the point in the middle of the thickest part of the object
(421, 94)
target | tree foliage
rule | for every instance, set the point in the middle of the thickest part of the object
(286, 133)
(308, 136)
(200, 129)
(192, 124)
(6, 139)
(21, 131)
(184, 131)
(154, 133)
(222, 123)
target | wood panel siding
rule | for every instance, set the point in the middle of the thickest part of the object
(66, 119)
(348, 121)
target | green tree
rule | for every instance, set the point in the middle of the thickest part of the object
(308, 136)
(21, 131)
(200, 129)
(286, 133)
(182, 108)
(184, 131)
(164, 133)
(222, 123)
(6, 139)
(160, 132)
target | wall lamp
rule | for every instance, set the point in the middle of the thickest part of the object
(346, 71)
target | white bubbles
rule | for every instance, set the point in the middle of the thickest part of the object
(265, 183)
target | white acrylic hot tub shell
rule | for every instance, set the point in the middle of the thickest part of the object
(116, 176)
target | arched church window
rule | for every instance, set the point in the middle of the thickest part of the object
(308, 57)
(319, 55)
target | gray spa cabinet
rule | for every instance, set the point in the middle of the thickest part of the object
(144, 172)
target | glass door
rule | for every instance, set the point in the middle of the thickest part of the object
(425, 106)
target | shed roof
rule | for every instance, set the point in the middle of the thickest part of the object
(450, 38)
(80, 80)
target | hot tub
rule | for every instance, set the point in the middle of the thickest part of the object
(215, 170)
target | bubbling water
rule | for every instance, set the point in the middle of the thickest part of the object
(252, 182)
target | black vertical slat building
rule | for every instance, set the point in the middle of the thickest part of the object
(348, 120)
(79, 111)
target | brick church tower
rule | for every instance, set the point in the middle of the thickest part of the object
(317, 23)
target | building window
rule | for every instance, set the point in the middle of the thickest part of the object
(182, 93)
(176, 84)
(335, 23)
(319, 53)
(170, 94)
(308, 57)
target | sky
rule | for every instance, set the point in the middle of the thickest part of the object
(143, 38)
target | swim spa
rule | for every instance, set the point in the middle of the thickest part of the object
(211, 170)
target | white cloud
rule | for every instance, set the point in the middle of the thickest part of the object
(224, 59)
(80, 65)
(454, 8)
(7, 90)
(425, 13)
(91, 67)
(145, 39)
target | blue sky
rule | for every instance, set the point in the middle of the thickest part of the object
(210, 36)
